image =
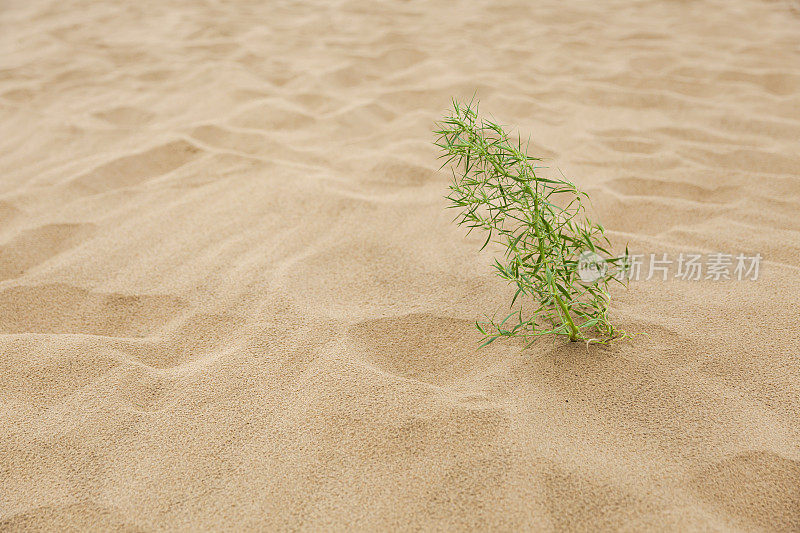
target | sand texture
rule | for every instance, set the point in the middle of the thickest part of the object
(231, 297)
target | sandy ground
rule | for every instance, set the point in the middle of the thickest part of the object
(231, 297)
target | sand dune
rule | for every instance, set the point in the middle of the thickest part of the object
(231, 297)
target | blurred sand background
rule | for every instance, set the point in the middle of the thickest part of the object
(231, 297)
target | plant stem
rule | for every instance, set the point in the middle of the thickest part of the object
(573, 330)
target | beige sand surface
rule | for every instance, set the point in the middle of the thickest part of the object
(231, 297)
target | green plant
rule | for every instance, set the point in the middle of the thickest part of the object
(541, 223)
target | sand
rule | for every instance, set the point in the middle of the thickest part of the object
(231, 297)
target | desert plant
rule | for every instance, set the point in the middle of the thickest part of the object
(542, 226)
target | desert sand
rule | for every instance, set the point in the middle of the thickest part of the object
(231, 297)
